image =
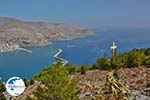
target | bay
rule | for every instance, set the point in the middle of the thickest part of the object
(78, 51)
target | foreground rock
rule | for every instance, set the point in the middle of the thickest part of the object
(138, 95)
(24, 34)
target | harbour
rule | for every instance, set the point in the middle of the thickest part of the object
(7, 47)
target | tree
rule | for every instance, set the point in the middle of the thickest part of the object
(56, 84)
(147, 60)
(2, 89)
(71, 68)
(135, 58)
(83, 70)
(102, 63)
(31, 81)
(147, 52)
(28, 82)
(120, 61)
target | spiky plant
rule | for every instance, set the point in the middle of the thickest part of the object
(116, 87)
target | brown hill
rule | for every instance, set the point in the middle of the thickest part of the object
(36, 33)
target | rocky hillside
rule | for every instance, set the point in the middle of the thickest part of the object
(92, 83)
(14, 31)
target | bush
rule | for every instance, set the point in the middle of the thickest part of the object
(103, 63)
(71, 68)
(2, 89)
(135, 58)
(147, 60)
(56, 84)
(147, 52)
(83, 70)
(28, 82)
(120, 61)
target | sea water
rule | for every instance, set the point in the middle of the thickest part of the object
(81, 51)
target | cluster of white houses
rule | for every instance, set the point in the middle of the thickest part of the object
(5, 47)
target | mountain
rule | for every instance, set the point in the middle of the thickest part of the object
(14, 31)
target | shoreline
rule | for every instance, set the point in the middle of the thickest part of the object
(10, 47)
(16, 47)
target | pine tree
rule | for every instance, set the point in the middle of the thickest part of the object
(56, 84)
(103, 63)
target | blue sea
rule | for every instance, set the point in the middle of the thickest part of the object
(78, 51)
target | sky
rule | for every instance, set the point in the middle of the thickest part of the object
(107, 14)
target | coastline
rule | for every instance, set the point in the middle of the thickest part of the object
(15, 47)
(9, 47)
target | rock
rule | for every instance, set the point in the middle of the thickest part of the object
(146, 92)
(137, 95)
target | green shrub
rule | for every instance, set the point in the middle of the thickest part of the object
(2, 89)
(147, 60)
(71, 68)
(83, 70)
(56, 84)
(102, 63)
(120, 61)
(135, 58)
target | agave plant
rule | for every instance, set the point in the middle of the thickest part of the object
(116, 87)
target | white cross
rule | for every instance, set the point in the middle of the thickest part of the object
(113, 47)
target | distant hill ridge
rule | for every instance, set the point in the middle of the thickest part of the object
(14, 31)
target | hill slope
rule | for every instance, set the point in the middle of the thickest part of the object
(93, 82)
(14, 31)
